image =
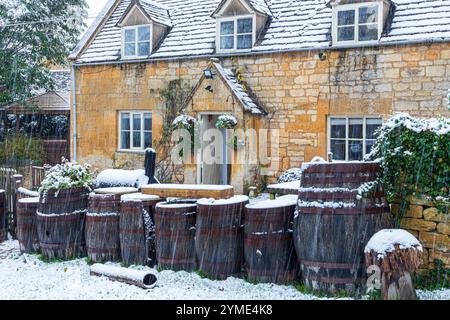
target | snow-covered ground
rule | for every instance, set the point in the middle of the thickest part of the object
(27, 277)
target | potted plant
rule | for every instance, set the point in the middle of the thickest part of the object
(226, 121)
(63, 202)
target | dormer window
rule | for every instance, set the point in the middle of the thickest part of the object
(355, 23)
(136, 42)
(236, 33)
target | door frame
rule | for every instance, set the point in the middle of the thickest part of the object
(224, 169)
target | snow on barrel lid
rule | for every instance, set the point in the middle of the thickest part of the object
(29, 200)
(116, 190)
(2, 191)
(139, 196)
(214, 202)
(176, 205)
(284, 201)
(384, 241)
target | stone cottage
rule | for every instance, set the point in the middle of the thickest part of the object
(321, 74)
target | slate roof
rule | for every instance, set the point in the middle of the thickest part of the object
(258, 5)
(295, 25)
(157, 12)
(238, 90)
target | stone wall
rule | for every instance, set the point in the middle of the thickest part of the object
(298, 89)
(431, 227)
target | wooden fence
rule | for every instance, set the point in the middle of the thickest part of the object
(9, 180)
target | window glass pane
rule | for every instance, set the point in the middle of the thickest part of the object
(125, 140)
(338, 128)
(368, 32)
(355, 128)
(144, 49)
(136, 139)
(355, 150)
(130, 35)
(137, 122)
(346, 18)
(124, 121)
(144, 33)
(346, 33)
(337, 147)
(147, 139)
(227, 42)
(147, 121)
(368, 14)
(244, 25)
(130, 49)
(244, 42)
(372, 124)
(369, 145)
(227, 27)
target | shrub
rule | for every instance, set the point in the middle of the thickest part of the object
(19, 148)
(413, 154)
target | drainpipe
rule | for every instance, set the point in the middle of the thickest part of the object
(74, 113)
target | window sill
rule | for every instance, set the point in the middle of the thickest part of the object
(131, 151)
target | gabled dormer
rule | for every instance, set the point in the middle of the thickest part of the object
(239, 24)
(144, 24)
(359, 21)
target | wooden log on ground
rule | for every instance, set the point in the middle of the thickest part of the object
(149, 203)
(102, 227)
(398, 254)
(175, 236)
(60, 223)
(269, 245)
(143, 279)
(219, 237)
(189, 191)
(27, 225)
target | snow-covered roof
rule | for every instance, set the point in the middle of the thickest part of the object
(295, 25)
(152, 10)
(259, 6)
(238, 90)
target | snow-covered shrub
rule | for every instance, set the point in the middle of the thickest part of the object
(414, 156)
(65, 176)
(226, 121)
(183, 122)
(293, 174)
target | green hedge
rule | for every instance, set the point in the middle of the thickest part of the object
(415, 157)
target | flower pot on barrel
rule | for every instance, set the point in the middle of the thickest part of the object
(62, 208)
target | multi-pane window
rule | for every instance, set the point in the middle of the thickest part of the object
(236, 34)
(136, 41)
(360, 24)
(352, 138)
(135, 130)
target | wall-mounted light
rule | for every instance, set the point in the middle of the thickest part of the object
(323, 56)
(209, 88)
(208, 73)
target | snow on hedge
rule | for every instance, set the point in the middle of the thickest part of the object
(183, 121)
(384, 241)
(290, 175)
(122, 178)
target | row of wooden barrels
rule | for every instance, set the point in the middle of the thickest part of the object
(318, 237)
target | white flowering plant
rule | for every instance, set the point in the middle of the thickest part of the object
(226, 121)
(67, 175)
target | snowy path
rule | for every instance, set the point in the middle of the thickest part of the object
(30, 278)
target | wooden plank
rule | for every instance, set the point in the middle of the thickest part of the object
(189, 191)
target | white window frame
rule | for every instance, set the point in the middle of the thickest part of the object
(136, 42)
(235, 34)
(133, 112)
(347, 138)
(355, 7)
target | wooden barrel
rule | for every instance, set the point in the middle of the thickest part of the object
(269, 246)
(102, 227)
(3, 217)
(60, 223)
(133, 244)
(175, 235)
(27, 225)
(219, 236)
(149, 205)
(332, 225)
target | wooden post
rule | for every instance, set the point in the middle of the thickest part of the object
(16, 183)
